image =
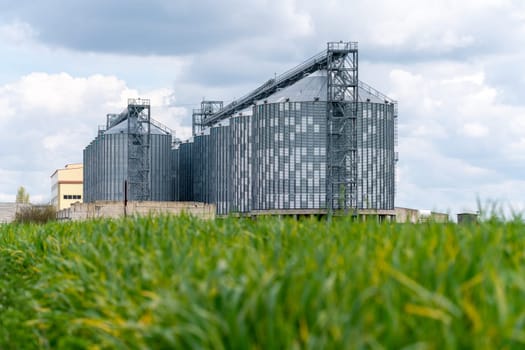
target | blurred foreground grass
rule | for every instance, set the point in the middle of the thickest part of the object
(178, 282)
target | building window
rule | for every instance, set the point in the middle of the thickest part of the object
(72, 196)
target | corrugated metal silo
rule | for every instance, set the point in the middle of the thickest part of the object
(240, 163)
(175, 170)
(201, 167)
(221, 158)
(289, 140)
(108, 162)
(289, 155)
(290, 147)
(185, 179)
(113, 160)
(161, 182)
(376, 150)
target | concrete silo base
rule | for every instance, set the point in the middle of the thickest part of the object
(362, 214)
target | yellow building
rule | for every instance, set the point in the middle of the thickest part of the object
(67, 186)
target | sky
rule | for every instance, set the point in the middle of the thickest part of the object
(456, 69)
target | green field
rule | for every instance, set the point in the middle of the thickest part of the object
(178, 282)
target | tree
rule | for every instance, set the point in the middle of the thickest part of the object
(39, 214)
(22, 196)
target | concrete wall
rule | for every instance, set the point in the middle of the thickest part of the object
(407, 215)
(8, 211)
(113, 209)
(439, 217)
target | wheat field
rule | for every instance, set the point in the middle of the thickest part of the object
(179, 282)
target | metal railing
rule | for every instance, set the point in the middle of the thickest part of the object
(342, 46)
(138, 101)
(374, 92)
(162, 127)
(114, 119)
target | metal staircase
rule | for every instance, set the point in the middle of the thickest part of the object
(139, 132)
(341, 114)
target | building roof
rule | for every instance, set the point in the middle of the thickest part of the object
(71, 166)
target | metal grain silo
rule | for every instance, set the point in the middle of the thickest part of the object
(241, 163)
(377, 117)
(290, 146)
(132, 149)
(175, 170)
(201, 168)
(221, 167)
(160, 173)
(185, 172)
(113, 157)
(289, 130)
(210, 162)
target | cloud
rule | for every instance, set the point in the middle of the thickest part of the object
(52, 117)
(415, 30)
(157, 27)
(458, 139)
(475, 130)
(17, 33)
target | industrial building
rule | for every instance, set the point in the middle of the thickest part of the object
(314, 140)
(67, 186)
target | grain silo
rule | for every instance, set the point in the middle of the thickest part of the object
(240, 186)
(131, 152)
(222, 172)
(289, 146)
(183, 171)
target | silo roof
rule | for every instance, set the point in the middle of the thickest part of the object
(313, 88)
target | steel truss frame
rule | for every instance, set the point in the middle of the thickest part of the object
(342, 97)
(139, 154)
(208, 108)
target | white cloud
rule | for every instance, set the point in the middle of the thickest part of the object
(7, 110)
(458, 139)
(164, 109)
(516, 150)
(475, 130)
(17, 33)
